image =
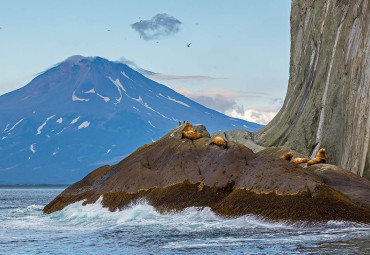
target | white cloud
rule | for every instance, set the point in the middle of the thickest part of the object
(224, 100)
(261, 115)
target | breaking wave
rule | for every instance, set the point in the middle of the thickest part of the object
(141, 228)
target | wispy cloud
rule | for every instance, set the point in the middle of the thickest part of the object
(160, 25)
(222, 100)
(167, 77)
(158, 77)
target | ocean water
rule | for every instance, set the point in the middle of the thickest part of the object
(139, 229)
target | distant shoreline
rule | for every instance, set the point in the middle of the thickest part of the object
(34, 185)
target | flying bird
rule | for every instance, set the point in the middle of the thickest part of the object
(189, 44)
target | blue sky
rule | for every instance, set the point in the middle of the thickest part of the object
(245, 42)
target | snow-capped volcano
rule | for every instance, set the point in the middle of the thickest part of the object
(86, 112)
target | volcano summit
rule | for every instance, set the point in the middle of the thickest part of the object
(86, 112)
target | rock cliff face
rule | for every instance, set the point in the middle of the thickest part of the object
(328, 99)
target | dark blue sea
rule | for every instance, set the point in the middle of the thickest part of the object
(91, 229)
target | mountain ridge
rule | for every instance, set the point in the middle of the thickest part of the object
(85, 111)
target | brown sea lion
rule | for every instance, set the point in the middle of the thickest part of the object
(188, 132)
(287, 156)
(219, 141)
(320, 158)
(299, 160)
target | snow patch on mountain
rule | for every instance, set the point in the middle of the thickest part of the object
(151, 123)
(174, 100)
(140, 100)
(91, 91)
(75, 98)
(106, 99)
(61, 131)
(43, 124)
(15, 125)
(32, 148)
(119, 86)
(124, 74)
(75, 120)
(84, 124)
(6, 128)
(178, 101)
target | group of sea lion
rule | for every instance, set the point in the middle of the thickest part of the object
(320, 158)
(188, 132)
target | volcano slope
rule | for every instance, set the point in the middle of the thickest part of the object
(174, 173)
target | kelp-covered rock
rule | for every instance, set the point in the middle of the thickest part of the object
(174, 173)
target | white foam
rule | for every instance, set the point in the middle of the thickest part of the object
(142, 214)
(43, 124)
(75, 98)
(60, 120)
(75, 120)
(79, 219)
(108, 151)
(84, 124)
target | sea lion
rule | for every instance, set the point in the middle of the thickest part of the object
(219, 141)
(188, 132)
(299, 160)
(320, 158)
(287, 156)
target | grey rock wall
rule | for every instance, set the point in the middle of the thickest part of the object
(327, 104)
